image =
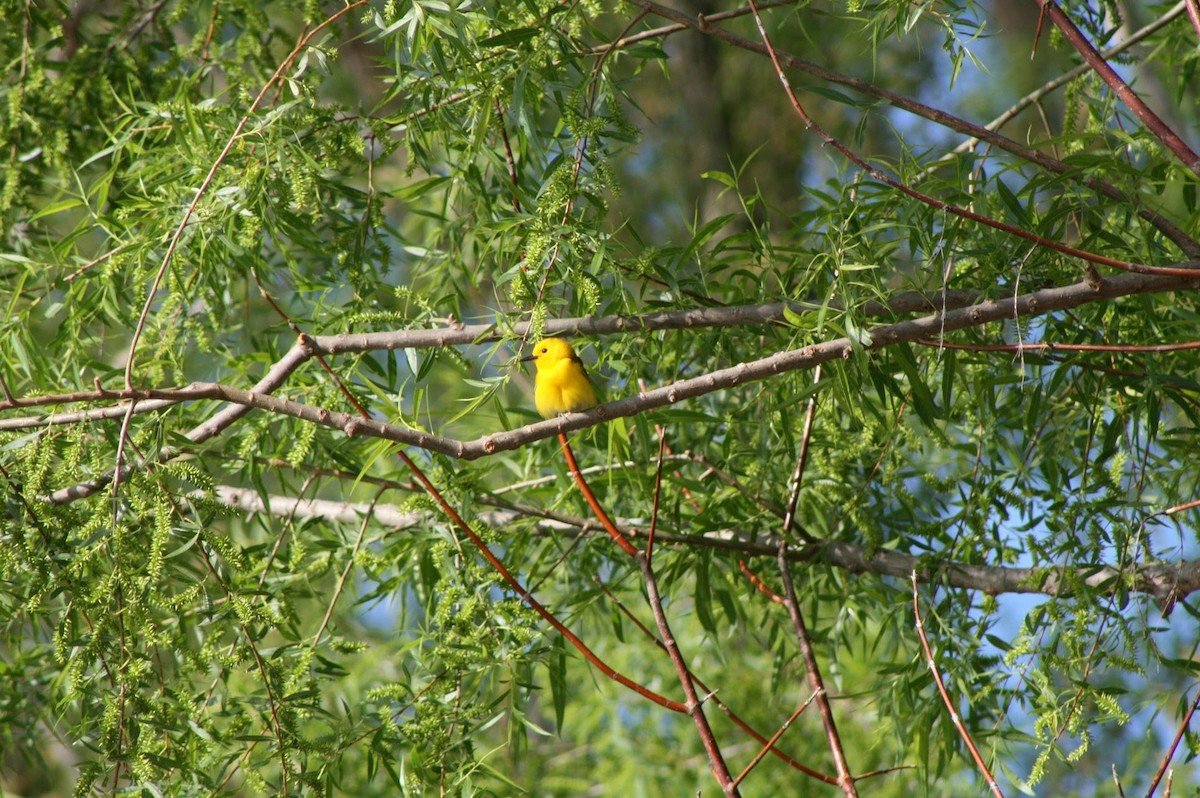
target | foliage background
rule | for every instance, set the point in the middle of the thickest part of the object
(265, 604)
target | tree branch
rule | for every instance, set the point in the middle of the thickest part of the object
(1165, 582)
(1186, 243)
(1101, 67)
(1034, 303)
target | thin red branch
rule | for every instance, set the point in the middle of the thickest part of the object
(813, 672)
(1179, 508)
(662, 450)
(1170, 754)
(810, 411)
(759, 584)
(1193, 11)
(941, 686)
(593, 502)
(1096, 61)
(623, 40)
(769, 744)
(716, 699)
(1185, 242)
(508, 155)
(659, 431)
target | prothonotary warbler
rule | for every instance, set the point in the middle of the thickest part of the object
(561, 384)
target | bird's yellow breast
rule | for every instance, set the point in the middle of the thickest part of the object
(563, 387)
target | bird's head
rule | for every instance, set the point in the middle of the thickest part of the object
(549, 351)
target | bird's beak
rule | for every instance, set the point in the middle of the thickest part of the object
(529, 358)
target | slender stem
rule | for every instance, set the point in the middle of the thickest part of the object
(845, 780)
(721, 705)
(941, 686)
(609, 527)
(810, 411)
(1166, 760)
(1193, 11)
(762, 753)
(693, 706)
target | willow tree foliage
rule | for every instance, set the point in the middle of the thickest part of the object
(896, 334)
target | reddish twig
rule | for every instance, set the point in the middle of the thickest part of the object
(769, 745)
(759, 584)
(658, 468)
(1193, 11)
(716, 699)
(508, 156)
(1096, 61)
(658, 430)
(1170, 754)
(810, 411)
(593, 502)
(694, 706)
(1179, 508)
(1185, 242)
(937, 678)
(666, 30)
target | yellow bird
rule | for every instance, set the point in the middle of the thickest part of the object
(561, 384)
